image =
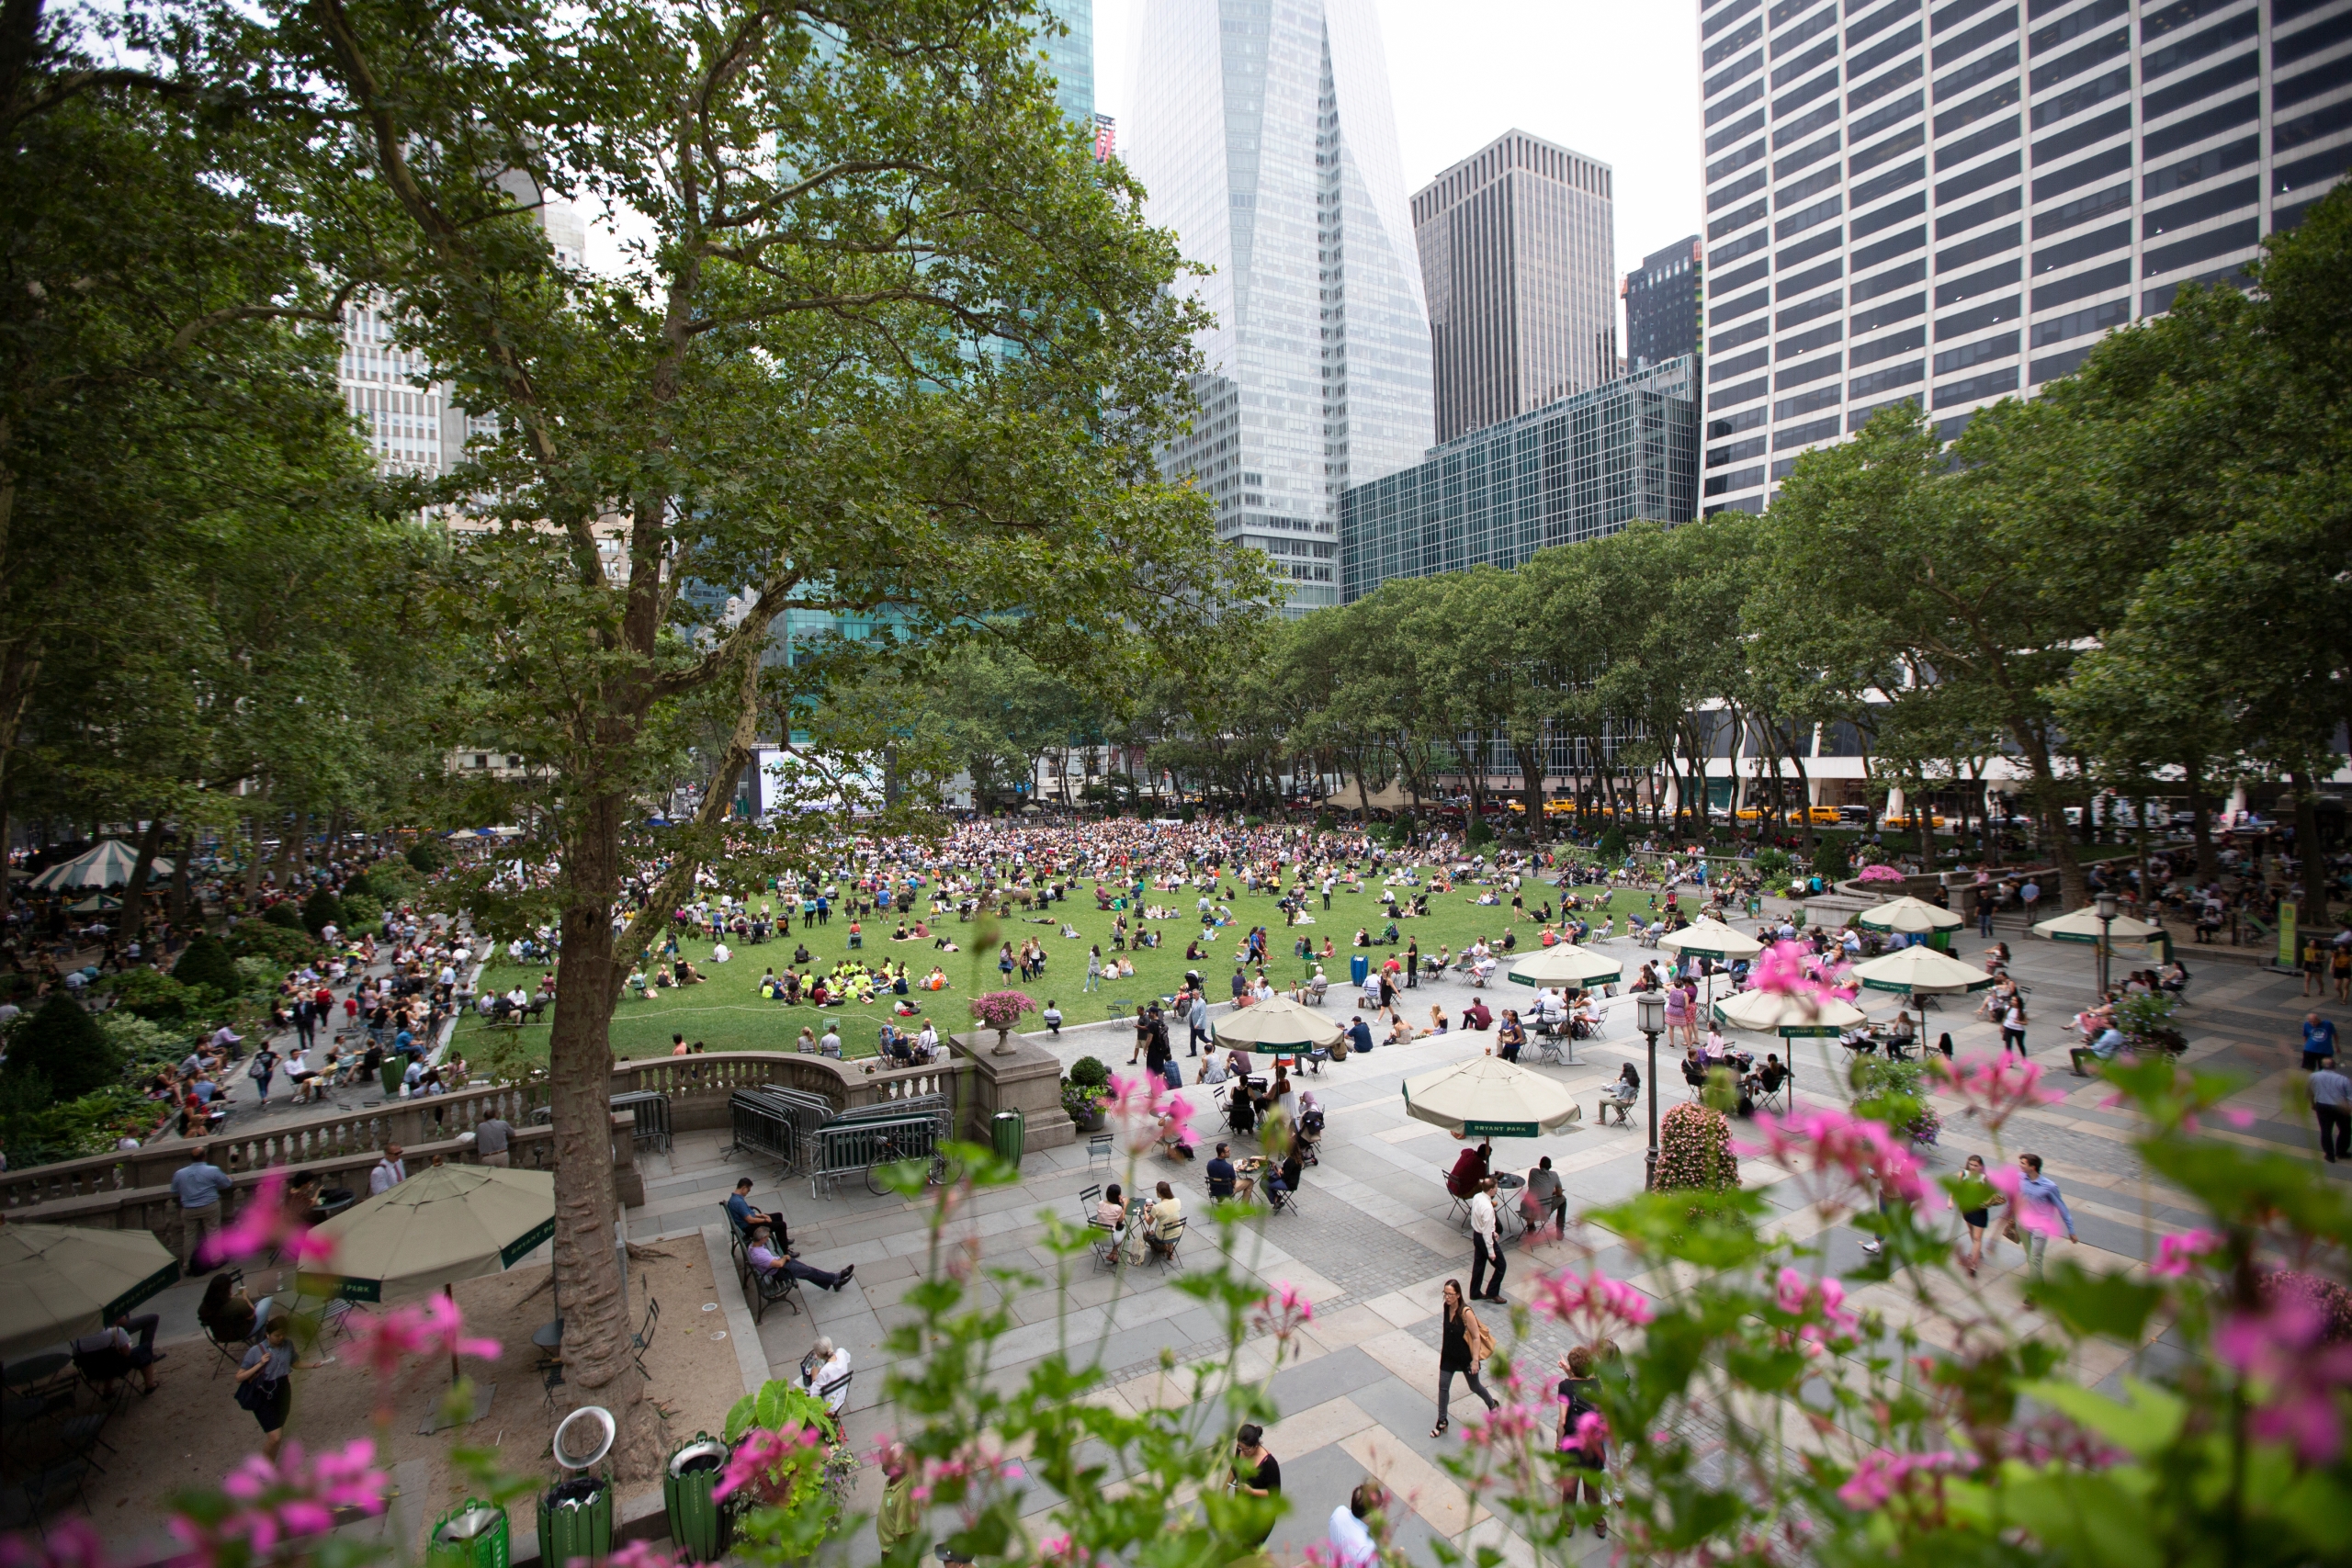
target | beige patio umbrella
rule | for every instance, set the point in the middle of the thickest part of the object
(59, 1283)
(1921, 972)
(1710, 938)
(2083, 926)
(1277, 1024)
(1909, 915)
(1790, 1018)
(1485, 1097)
(1566, 965)
(449, 1223)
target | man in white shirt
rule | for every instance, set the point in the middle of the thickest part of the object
(1352, 1541)
(390, 1171)
(1486, 1237)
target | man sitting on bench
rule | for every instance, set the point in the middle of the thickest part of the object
(769, 1263)
(746, 1214)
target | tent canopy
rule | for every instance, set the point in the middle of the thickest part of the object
(107, 865)
(1277, 1024)
(1485, 1097)
(1390, 797)
(62, 1281)
(1566, 965)
(1906, 914)
(452, 1222)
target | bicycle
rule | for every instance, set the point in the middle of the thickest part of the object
(892, 1152)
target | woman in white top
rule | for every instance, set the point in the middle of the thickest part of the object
(824, 1371)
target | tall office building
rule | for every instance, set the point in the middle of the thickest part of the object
(1951, 204)
(1664, 303)
(1518, 249)
(1575, 470)
(1070, 57)
(1263, 134)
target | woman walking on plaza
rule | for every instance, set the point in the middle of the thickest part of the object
(1463, 1346)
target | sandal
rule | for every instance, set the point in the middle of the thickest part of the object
(1439, 1430)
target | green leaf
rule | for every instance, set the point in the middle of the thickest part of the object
(2113, 1305)
(2145, 1427)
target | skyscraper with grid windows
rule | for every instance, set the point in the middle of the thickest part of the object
(1263, 134)
(1950, 203)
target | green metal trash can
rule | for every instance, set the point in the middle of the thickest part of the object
(391, 1076)
(700, 1526)
(576, 1519)
(471, 1535)
(1009, 1130)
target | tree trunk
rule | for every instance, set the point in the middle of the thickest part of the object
(183, 850)
(18, 670)
(2209, 859)
(2310, 909)
(1532, 773)
(254, 865)
(134, 892)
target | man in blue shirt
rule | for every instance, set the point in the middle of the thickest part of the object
(2040, 1211)
(748, 1215)
(199, 1186)
(1219, 1172)
(2319, 1042)
(1358, 1035)
(2104, 1046)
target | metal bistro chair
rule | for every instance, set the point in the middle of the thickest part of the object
(1163, 1249)
(1104, 1238)
(642, 1340)
(1099, 1151)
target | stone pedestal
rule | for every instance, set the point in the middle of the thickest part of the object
(1029, 1081)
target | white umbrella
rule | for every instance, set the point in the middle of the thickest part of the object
(62, 1281)
(1921, 971)
(1277, 1024)
(1566, 965)
(1710, 938)
(1485, 1097)
(448, 1222)
(1914, 916)
(2083, 926)
(1790, 1018)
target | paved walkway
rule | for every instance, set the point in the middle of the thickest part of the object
(1375, 1244)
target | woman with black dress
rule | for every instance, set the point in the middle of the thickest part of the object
(1463, 1344)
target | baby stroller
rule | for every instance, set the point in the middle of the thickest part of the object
(1310, 1137)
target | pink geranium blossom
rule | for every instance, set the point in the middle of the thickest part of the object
(1790, 969)
(264, 1225)
(2283, 1352)
(2176, 1254)
(1995, 1091)
(388, 1338)
(1593, 1302)
(1844, 1161)
(1284, 1313)
(1821, 1304)
(69, 1543)
(759, 1454)
(1139, 1106)
(2032, 1214)
(272, 1502)
(1884, 1473)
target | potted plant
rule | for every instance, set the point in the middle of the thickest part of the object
(1082, 1089)
(1001, 1010)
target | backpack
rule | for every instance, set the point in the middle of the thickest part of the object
(1578, 1408)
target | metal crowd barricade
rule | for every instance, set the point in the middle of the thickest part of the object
(849, 1148)
(650, 1109)
(757, 1113)
(932, 1105)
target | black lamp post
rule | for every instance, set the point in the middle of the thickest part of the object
(2106, 908)
(1649, 1013)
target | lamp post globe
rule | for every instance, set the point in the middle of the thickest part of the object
(1649, 1014)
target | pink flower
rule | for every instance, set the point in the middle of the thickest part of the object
(270, 1503)
(264, 1225)
(641, 1554)
(1284, 1313)
(1593, 1302)
(1885, 1472)
(2031, 1213)
(2176, 1254)
(759, 1455)
(2283, 1352)
(1141, 1105)
(388, 1338)
(1848, 1162)
(1591, 1434)
(1790, 969)
(1995, 1090)
(1506, 1425)
(1822, 1304)
(69, 1543)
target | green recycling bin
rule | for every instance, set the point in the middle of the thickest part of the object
(471, 1535)
(576, 1519)
(700, 1526)
(391, 1076)
(1008, 1130)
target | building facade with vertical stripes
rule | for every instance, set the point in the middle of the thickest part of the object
(1952, 202)
(1518, 247)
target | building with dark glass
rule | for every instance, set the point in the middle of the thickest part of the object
(1665, 304)
(1579, 468)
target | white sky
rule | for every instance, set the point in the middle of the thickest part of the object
(1616, 80)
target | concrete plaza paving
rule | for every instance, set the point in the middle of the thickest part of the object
(1374, 1243)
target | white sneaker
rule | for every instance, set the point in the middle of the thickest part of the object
(1871, 1248)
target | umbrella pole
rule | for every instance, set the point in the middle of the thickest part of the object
(450, 1291)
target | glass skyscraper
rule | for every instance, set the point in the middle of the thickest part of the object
(1263, 134)
(1664, 304)
(1070, 58)
(1951, 202)
(1582, 467)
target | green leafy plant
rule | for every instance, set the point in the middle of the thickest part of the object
(1694, 1150)
(1771, 864)
(361, 911)
(1896, 1094)
(426, 856)
(142, 1040)
(282, 915)
(284, 946)
(62, 1047)
(2146, 1018)
(1091, 1072)
(206, 962)
(161, 999)
(323, 909)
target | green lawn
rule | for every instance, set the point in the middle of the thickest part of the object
(727, 1014)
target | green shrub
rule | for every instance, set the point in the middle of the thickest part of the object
(36, 1128)
(1480, 832)
(1694, 1150)
(394, 879)
(161, 999)
(256, 973)
(1772, 864)
(1833, 861)
(142, 1040)
(1325, 821)
(1088, 1071)
(265, 939)
(322, 909)
(359, 884)
(63, 1047)
(427, 856)
(206, 962)
(284, 916)
(1895, 1094)
(1612, 844)
(361, 912)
